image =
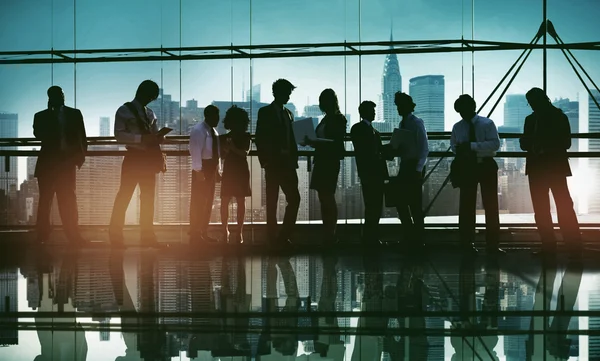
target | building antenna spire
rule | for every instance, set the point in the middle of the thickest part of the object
(391, 31)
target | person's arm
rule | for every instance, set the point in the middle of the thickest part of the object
(154, 126)
(422, 146)
(491, 140)
(244, 150)
(83, 135)
(262, 140)
(197, 141)
(38, 128)
(122, 133)
(453, 140)
(526, 140)
(563, 133)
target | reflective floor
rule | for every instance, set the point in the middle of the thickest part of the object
(186, 304)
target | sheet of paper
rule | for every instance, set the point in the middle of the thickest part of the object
(164, 131)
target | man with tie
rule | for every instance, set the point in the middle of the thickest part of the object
(278, 155)
(205, 151)
(475, 141)
(371, 167)
(62, 134)
(546, 139)
(135, 125)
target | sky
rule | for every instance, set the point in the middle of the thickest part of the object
(99, 88)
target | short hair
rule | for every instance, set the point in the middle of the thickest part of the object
(147, 89)
(536, 94)
(463, 102)
(281, 85)
(236, 118)
(404, 99)
(210, 110)
(53, 90)
(364, 106)
(328, 96)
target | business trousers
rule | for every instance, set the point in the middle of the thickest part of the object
(132, 174)
(372, 190)
(410, 207)
(539, 186)
(202, 197)
(285, 178)
(62, 182)
(484, 174)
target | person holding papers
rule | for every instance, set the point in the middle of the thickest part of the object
(278, 155)
(329, 150)
(372, 169)
(413, 155)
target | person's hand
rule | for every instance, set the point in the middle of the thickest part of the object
(463, 148)
(200, 175)
(307, 141)
(218, 177)
(160, 139)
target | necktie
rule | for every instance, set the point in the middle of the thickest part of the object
(146, 121)
(472, 136)
(215, 144)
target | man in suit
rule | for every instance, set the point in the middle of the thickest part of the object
(136, 126)
(62, 133)
(372, 168)
(546, 138)
(475, 141)
(278, 155)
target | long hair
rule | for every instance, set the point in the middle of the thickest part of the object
(328, 102)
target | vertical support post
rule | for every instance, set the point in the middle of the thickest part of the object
(545, 50)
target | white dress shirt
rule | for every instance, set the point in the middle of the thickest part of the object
(486, 134)
(420, 150)
(126, 125)
(201, 143)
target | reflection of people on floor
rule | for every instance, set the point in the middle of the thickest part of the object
(60, 345)
(203, 339)
(554, 343)
(281, 330)
(466, 339)
(329, 345)
(233, 340)
(369, 346)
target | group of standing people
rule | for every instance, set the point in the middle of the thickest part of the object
(223, 158)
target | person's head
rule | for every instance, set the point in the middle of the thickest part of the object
(537, 99)
(328, 102)
(211, 115)
(56, 97)
(236, 119)
(465, 106)
(146, 92)
(282, 89)
(404, 103)
(367, 110)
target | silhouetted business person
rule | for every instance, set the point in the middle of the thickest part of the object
(475, 141)
(328, 154)
(62, 133)
(278, 155)
(546, 138)
(413, 157)
(135, 125)
(372, 168)
(205, 152)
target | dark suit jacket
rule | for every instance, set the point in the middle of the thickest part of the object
(369, 152)
(270, 139)
(547, 145)
(334, 128)
(46, 128)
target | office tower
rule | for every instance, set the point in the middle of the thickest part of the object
(31, 161)
(9, 302)
(165, 109)
(105, 330)
(516, 109)
(93, 286)
(594, 146)
(173, 289)
(313, 111)
(428, 93)
(253, 94)
(105, 127)
(594, 322)
(391, 82)
(8, 129)
(34, 291)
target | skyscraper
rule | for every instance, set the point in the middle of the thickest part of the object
(8, 302)
(428, 93)
(104, 126)
(571, 110)
(594, 146)
(391, 82)
(8, 129)
(516, 109)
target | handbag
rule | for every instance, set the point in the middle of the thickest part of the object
(157, 160)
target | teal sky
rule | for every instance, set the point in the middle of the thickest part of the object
(98, 89)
